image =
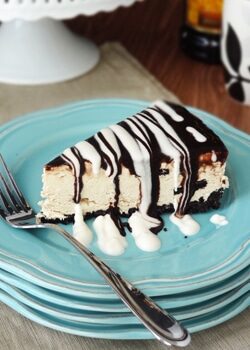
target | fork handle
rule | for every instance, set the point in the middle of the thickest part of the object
(163, 326)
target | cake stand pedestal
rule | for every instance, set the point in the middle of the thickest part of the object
(36, 47)
(43, 51)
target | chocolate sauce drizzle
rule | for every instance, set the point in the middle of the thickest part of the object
(140, 143)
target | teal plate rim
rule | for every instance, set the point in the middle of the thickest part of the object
(124, 332)
(128, 319)
(116, 306)
(73, 285)
(109, 317)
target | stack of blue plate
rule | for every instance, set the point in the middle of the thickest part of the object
(202, 280)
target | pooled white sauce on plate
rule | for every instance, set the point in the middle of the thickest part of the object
(144, 238)
(109, 239)
(218, 220)
(187, 225)
(81, 231)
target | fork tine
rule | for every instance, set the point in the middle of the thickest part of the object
(6, 204)
(19, 194)
(12, 199)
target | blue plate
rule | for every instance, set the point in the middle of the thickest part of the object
(209, 257)
(69, 314)
(42, 295)
(119, 331)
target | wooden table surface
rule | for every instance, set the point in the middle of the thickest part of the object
(150, 31)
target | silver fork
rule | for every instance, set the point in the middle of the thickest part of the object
(15, 210)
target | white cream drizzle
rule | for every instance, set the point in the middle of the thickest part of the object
(89, 153)
(214, 157)
(109, 135)
(105, 149)
(196, 134)
(137, 131)
(171, 112)
(218, 220)
(81, 231)
(138, 154)
(109, 239)
(71, 159)
(187, 225)
(165, 125)
(167, 148)
(144, 238)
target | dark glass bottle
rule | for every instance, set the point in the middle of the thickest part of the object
(200, 35)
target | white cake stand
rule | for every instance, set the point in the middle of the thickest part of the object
(36, 48)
